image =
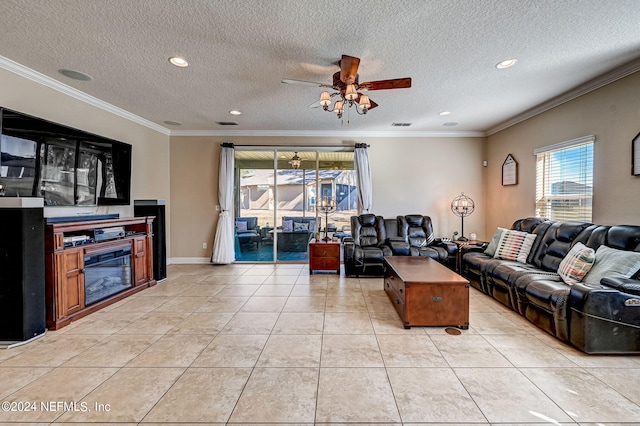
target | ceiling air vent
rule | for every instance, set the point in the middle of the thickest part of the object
(227, 123)
(401, 124)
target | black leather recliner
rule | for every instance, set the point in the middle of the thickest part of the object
(418, 239)
(365, 250)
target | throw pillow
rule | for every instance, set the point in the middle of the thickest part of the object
(241, 225)
(514, 245)
(493, 245)
(287, 226)
(576, 263)
(300, 226)
(312, 225)
(612, 263)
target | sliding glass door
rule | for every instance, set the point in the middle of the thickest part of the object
(254, 205)
(279, 196)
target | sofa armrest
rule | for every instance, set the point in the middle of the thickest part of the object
(625, 285)
(604, 319)
(475, 248)
(399, 247)
(349, 249)
(449, 246)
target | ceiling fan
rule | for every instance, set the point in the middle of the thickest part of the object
(347, 88)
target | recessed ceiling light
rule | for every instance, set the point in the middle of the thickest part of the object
(450, 123)
(445, 113)
(179, 61)
(172, 123)
(76, 75)
(235, 112)
(506, 64)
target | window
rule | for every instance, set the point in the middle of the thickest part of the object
(564, 180)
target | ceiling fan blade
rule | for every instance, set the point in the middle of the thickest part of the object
(349, 68)
(373, 104)
(398, 83)
(305, 82)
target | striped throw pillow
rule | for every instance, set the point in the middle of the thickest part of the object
(576, 263)
(514, 245)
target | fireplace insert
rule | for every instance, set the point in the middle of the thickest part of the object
(107, 272)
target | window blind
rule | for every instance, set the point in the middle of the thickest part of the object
(564, 180)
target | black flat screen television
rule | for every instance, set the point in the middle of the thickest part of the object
(65, 166)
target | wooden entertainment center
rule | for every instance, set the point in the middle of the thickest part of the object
(92, 264)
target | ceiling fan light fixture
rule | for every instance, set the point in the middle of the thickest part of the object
(364, 102)
(350, 93)
(346, 89)
(325, 99)
(295, 161)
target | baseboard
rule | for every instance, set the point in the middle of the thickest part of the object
(188, 260)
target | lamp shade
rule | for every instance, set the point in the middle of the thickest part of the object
(350, 94)
(462, 205)
(338, 108)
(325, 99)
(364, 102)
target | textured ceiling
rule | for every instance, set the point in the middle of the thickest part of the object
(239, 51)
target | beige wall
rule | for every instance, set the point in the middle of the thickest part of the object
(150, 153)
(194, 195)
(410, 175)
(612, 114)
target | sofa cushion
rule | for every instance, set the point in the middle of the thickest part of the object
(287, 226)
(241, 225)
(612, 263)
(368, 236)
(576, 263)
(514, 245)
(547, 293)
(493, 245)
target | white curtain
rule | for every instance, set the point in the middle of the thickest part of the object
(363, 178)
(223, 244)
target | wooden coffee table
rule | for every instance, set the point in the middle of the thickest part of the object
(426, 293)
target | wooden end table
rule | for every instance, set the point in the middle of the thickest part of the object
(324, 256)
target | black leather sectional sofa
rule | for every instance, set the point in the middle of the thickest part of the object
(373, 237)
(600, 318)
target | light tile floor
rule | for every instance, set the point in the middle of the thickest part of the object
(266, 344)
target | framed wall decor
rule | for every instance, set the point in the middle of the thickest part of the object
(509, 171)
(635, 156)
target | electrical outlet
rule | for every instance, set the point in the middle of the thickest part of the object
(204, 245)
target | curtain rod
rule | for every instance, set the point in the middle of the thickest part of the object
(297, 147)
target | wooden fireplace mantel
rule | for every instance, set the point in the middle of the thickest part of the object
(64, 265)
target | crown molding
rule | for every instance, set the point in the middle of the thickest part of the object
(329, 133)
(49, 82)
(583, 89)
